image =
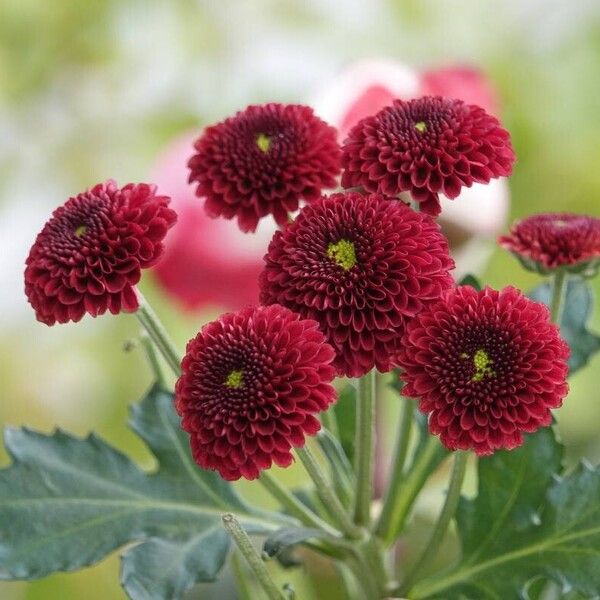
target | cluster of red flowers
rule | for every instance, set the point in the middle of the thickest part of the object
(358, 280)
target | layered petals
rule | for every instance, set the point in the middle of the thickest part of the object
(90, 254)
(485, 366)
(362, 266)
(251, 385)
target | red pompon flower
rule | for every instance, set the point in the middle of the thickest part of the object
(263, 161)
(362, 266)
(552, 241)
(90, 254)
(251, 385)
(426, 147)
(486, 367)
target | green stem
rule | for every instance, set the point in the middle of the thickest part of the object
(397, 475)
(558, 295)
(240, 537)
(413, 483)
(342, 474)
(158, 333)
(327, 495)
(245, 589)
(364, 448)
(293, 505)
(152, 357)
(329, 422)
(441, 526)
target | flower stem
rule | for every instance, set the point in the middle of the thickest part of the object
(158, 334)
(364, 448)
(244, 585)
(293, 505)
(558, 295)
(240, 537)
(329, 422)
(152, 357)
(327, 495)
(441, 526)
(395, 483)
(413, 483)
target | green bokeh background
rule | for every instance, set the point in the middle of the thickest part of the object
(96, 89)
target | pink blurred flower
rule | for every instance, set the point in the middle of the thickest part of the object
(480, 212)
(207, 262)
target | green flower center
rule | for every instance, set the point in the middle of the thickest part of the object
(421, 126)
(263, 141)
(342, 253)
(81, 231)
(235, 379)
(482, 362)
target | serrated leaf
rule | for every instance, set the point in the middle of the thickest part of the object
(578, 304)
(179, 564)
(525, 523)
(66, 502)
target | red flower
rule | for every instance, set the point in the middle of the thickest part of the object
(207, 262)
(362, 266)
(264, 161)
(90, 254)
(556, 240)
(252, 382)
(486, 366)
(427, 147)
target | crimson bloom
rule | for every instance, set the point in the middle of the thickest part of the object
(486, 367)
(552, 241)
(251, 384)
(362, 266)
(90, 254)
(428, 146)
(264, 160)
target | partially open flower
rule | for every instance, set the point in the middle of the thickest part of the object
(552, 241)
(263, 161)
(485, 366)
(426, 147)
(90, 254)
(251, 386)
(362, 266)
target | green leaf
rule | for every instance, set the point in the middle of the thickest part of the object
(578, 304)
(66, 502)
(287, 537)
(471, 280)
(526, 522)
(179, 564)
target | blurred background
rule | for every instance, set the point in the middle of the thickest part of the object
(113, 88)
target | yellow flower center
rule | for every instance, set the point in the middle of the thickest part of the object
(421, 126)
(235, 379)
(81, 231)
(342, 253)
(263, 142)
(482, 362)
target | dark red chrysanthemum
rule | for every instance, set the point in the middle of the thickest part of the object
(362, 266)
(252, 382)
(263, 161)
(486, 366)
(556, 240)
(90, 254)
(426, 147)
